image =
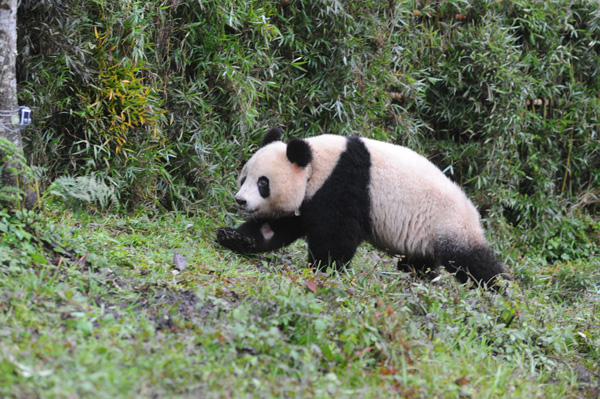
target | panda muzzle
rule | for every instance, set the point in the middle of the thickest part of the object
(242, 205)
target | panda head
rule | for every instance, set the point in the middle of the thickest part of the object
(273, 182)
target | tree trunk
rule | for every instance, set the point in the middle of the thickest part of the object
(8, 79)
(13, 171)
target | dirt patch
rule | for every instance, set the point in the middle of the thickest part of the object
(172, 310)
(588, 377)
(168, 310)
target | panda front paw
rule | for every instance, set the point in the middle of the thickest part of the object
(232, 239)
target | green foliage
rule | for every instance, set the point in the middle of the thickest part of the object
(165, 100)
(120, 103)
(104, 114)
(80, 192)
(15, 175)
(20, 244)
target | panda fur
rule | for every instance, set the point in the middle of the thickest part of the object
(339, 191)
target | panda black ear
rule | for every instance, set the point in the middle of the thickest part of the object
(298, 152)
(274, 134)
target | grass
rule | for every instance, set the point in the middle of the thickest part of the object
(503, 96)
(107, 314)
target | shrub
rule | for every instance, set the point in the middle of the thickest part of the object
(16, 177)
(165, 99)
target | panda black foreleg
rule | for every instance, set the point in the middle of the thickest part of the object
(261, 235)
(332, 250)
(321, 255)
(471, 262)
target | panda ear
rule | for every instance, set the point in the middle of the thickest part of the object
(298, 152)
(274, 134)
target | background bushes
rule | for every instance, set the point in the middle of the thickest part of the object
(164, 99)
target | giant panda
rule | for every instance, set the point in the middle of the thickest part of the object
(339, 191)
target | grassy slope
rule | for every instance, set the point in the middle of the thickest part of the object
(113, 318)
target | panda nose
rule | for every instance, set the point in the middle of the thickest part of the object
(240, 202)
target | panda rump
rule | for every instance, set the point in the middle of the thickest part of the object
(339, 191)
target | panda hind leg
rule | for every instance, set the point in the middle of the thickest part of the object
(419, 266)
(476, 262)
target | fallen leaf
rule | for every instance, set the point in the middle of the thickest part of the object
(310, 284)
(388, 371)
(462, 381)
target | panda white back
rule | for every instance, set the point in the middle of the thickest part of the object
(413, 203)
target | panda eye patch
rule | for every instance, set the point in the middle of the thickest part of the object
(242, 181)
(263, 186)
